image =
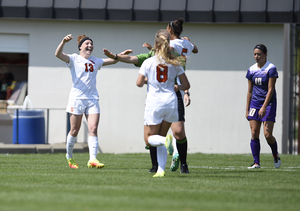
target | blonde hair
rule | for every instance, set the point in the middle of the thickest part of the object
(162, 49)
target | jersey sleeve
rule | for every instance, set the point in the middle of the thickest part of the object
(273, 72)
(142, 57)
(100, 63)
(249, 75)
(143, 70)
(180, 70)
(72, 58)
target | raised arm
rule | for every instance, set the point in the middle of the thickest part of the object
(195, 50)
(123, 57)
(61, 55)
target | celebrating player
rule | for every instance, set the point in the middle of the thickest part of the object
(83, 98)
(161, 107)
(261, 103)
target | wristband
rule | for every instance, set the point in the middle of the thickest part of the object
(116, 57)
(187, 93)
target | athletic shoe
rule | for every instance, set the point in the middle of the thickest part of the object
(184, 169)
(277, 161)
(168, 144)
(160, 174)
(254, 166)
(72, 163)
(175, 162)
(153, 169)
(95, 164)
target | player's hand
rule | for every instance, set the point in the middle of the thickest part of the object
(185, 38)
(187, 100)
(176, 88)
(109, 54)
(147, 45)
(262, 112)
(126, 52)
(67, 38)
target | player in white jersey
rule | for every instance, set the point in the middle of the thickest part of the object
(184, 47)
(161, 107)
(83, 98)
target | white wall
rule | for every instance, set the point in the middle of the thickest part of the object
(216, 118)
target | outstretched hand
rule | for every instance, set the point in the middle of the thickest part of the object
(109, 54)
(185, 38)
(126, 52)
(147, 45)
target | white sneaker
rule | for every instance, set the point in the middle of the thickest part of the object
(254, 166)
(277, 161)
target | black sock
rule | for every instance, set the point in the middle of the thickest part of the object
(182, 150)
(153, 155)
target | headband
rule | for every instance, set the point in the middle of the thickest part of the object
(171, 24)
(84, 39)
(262, 48)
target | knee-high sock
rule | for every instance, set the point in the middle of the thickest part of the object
(70, 145)
(93, 146)
(274, 148)
(182, 150)
(161, 157)
(153, 155)
(159, 142)
(255, 148)
(174, 146)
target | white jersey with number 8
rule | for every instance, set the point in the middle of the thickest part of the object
(160, 85)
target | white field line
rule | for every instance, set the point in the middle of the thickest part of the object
(245, 167)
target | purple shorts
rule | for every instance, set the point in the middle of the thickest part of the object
(270, 113)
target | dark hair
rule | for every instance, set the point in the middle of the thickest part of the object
(261, 47)
(176, 25)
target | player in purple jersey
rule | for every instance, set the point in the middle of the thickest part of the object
(262, 103)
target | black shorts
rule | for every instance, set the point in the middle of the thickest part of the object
(180, 107)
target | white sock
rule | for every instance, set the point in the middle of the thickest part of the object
(156, 140)
(93, 147)
(174, 146)
(162, 156)
(70, 145)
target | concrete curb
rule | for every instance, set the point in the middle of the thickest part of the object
(41, 148)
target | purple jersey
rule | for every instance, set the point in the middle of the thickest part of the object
(260, 79)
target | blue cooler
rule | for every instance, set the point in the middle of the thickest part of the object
(29, 127)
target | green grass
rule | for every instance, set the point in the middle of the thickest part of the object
(216, 182)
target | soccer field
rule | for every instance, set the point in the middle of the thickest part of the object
(216, 182)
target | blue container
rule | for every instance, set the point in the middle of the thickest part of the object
(29, 127)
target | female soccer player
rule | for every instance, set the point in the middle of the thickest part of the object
(161, 107)
(184, 47)
(261, 103)
(83, 98)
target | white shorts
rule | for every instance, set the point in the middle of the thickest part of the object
(155, 117)
(83, 106)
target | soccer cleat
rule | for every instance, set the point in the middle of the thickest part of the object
(277, 161)
(72, 163)
(175, 162)
(153, 169)
(254, 166)
(95, 164)
(184, 169)
(159, 174)
(168, 144)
